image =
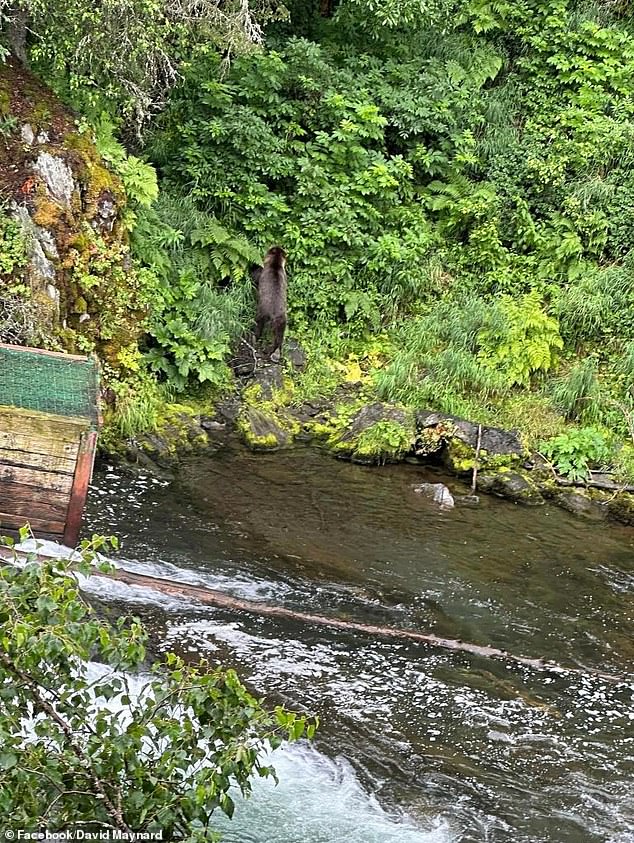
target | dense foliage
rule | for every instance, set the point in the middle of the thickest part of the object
(453, 178)
(90, 741)
(123, 55)
(462, 177)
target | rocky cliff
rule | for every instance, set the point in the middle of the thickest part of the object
(66, 279)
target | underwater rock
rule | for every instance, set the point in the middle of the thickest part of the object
(578, 503)
(438, 492)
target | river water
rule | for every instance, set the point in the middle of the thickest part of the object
(417, 744)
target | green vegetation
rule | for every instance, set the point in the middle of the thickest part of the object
(573, 454)
(117, 745)
(12, 244)
(124, 56)
(452, 181)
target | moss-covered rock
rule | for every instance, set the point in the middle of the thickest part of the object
(264, 421)
(178, 431)
(261, 431)
(71, 208)
(512, 485)
(498, 448)
(578, 502)
(621, 508)
(458, 457)
(371, 433)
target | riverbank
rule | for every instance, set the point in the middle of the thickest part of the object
(269, 413)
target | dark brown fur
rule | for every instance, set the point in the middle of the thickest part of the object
(271, 281)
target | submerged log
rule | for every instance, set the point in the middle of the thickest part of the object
(222, 600)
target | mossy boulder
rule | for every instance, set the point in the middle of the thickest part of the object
(374, 433)
(268, 384)
(179, 431)
(621, 508)
(262, 431)
(499, 449)
(264, 421)
(577, 502)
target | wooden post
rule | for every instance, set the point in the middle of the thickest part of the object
(81, 480)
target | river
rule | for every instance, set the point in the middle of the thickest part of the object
(417, 744)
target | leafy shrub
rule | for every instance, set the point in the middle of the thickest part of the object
(139, 179)
(575, 452)
(194, 320)
(90, 749)
(13, 251)
(524, 341)
(111, 289)
(291, 149)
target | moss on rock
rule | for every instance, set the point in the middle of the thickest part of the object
(512, 485)
(264, 422)
(367, 433)
(621, 508)
(72, 208)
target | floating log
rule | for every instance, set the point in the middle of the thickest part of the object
(49, 417)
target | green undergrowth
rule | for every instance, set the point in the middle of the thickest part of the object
(384, 441)
(453, 186)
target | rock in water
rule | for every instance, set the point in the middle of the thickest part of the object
(438, 492)
(511, 485)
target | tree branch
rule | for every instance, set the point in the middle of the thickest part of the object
(46, 708)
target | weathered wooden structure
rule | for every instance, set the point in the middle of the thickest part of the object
(49, 418)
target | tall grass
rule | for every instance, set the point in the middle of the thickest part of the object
(437, 362)
(577, 394)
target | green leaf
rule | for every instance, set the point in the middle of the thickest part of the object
(8, 760)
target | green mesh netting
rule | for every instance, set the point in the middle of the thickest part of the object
(50, 384)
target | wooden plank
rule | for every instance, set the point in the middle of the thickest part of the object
(38, 526)
(43, 352)
(50, 425)
(46, 480)
(83, 474)
(27, 501)
(21, 512)
(26, 442)
(43, 462)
